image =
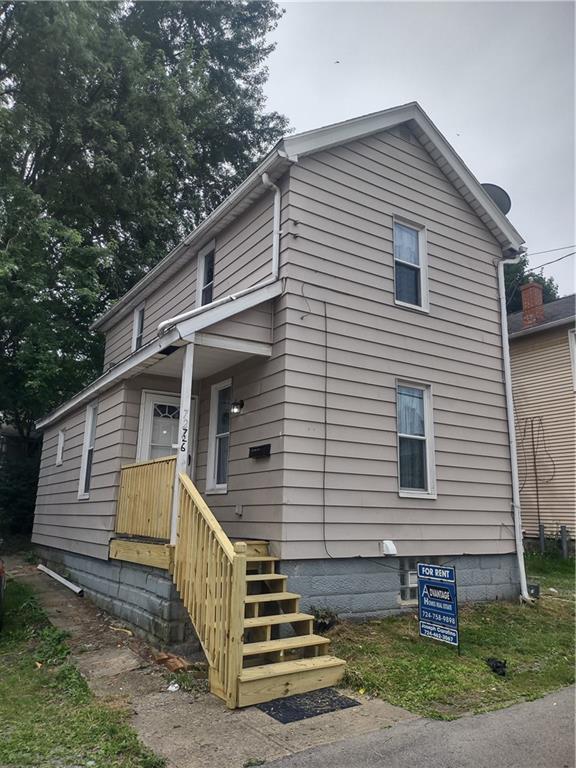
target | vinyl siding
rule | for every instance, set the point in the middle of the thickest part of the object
(61, 520)
(543, 387)
(243, 253)
(342, 335)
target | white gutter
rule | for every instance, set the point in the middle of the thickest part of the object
(165, 325)
(512, 428)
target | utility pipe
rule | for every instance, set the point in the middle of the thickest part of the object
(511, 427)
(275, 268)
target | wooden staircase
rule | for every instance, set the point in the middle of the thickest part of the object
(258, 644)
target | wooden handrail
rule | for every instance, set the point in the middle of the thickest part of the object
(210, 574)
(145, 498)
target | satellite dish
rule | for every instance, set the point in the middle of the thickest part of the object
(500, 197)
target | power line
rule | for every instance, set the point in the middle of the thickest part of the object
(551, 250)
(546, 263)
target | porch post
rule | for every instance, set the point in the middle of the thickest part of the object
(184, 436)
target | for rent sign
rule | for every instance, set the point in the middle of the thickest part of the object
(438, 603)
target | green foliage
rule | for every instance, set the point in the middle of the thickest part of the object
(48, 715)
(18, 481)
(387, 658)
(516, 275)
(121, 125)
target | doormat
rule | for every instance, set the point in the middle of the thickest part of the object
(304, 705)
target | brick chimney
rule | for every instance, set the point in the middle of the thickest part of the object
(532, 304)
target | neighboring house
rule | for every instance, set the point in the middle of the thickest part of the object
(323, 357)
(543, 359)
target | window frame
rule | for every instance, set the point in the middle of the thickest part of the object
(430, 451)
(137, 331)
(424, 305)
(60, 448)
(572, 345)
(212, 486)
(90, 423)
(200, 272)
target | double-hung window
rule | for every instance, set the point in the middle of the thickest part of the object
(206, 276)
(219, 437)
(138, 328)
(87, 451)
(415, 441)
(60, 448)
(410, 266)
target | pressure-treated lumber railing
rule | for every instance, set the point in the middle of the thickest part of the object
(210, 574)
(145, 498)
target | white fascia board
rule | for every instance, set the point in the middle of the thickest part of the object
(544, 327)
(187, 328)
(204, 232)
(130, 365)
(259, 348)
(339, 133)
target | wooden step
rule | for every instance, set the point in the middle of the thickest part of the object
(280, 618)
(262, 559)
(265, 577)
(271, 597)
(286, 678)
(284, 644)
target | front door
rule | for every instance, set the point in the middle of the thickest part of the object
(158, 430)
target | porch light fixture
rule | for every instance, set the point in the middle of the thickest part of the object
(236, 407)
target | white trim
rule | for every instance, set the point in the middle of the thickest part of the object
(60, 448)
(135, 334)
(200, 270)
(211, 485)
(149, 396)
(259, 348)
(430, 491)
(422, 266)
(223, 309)
(572, 345)
(91, 416)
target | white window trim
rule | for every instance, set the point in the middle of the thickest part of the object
(145, 423)
(423, 258)
(60, 448)
(212, 487)
(91, 415)
(135, 316)
(572, 345)
(431, 492)
(208, 248)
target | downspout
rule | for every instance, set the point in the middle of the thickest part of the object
(275, 267)
(512, 428)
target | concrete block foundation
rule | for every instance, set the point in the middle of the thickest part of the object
(143, 597)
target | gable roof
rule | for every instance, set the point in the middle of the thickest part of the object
(559, 312)
(288, 150)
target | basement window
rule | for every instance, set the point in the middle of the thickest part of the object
(409, 577)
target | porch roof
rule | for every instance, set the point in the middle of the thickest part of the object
(160, 350)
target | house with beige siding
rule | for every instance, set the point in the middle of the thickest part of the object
(303, 399)
(543, 356)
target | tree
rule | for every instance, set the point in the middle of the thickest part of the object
(122, 124)
(516, 275)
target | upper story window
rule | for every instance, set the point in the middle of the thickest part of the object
(219, 437)
(88, 451)
(415, 441)
(60, 448)
(138, 328)
(206, 275)
(410, 266)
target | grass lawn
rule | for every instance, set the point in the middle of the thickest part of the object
(387, 658)
(48, 716)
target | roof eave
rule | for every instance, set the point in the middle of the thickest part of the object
(541, 328)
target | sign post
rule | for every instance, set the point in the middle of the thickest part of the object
(438, 603)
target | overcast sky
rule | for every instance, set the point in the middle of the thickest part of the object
(497, 78)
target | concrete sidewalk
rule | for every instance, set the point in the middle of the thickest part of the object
(191, 730)
(536, 734)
